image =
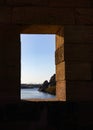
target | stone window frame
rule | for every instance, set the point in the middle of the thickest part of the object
(59, 57)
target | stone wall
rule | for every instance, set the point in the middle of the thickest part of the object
(74, 64)
(76, 17)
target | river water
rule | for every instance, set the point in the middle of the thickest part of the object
(34, 93)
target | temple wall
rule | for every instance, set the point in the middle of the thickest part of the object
(74, 64)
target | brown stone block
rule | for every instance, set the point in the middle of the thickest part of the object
(60, 71)
(59, 55)
(61, 90)
(60, 38)
(78, 34)
(40, 29)
(43, 15)
(28, 2)
(5, 15)
(84, 16)
(78, 52)
(78, 71)
(59, 41)
(79, 90)
(69, 3)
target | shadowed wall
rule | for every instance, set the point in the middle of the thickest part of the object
(75, 55)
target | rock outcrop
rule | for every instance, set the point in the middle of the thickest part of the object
(50, 86)
(44, 86)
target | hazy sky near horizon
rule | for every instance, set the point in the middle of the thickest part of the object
(37, 57)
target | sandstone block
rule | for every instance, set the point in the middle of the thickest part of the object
(84, 16)
(61, 90)
(60, 71)
(60, 38)
(41, 29)
(43, 15)
(79, 90)
(78, 34)
(78, 52)
(59, 55)
(78, 71)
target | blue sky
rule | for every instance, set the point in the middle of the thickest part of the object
(37, 57)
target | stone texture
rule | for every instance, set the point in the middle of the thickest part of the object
(60, 37)
(84, 16)
(79, 90)
(21, 15)
(78, 52)
(75, 41)
(59, 41)
(60, 71)
(41, 29)
(78, 34)
(61, 90)
(78, 71)
(59, 55)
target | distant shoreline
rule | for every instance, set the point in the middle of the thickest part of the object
(27, 86)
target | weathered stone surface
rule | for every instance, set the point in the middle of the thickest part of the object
(84, 16)
(78, 71)
(60, 71)
(59, 41)
(43, 15)
(78, 34)
(69, 3)
(78, 52)
(41, 29)
(61, 90)
(60, 37)
(59, 55)
(5, 15)
(68, 13)
(79, 90)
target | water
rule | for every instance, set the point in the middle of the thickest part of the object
(34, 93)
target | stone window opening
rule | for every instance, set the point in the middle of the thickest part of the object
(59, 58)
